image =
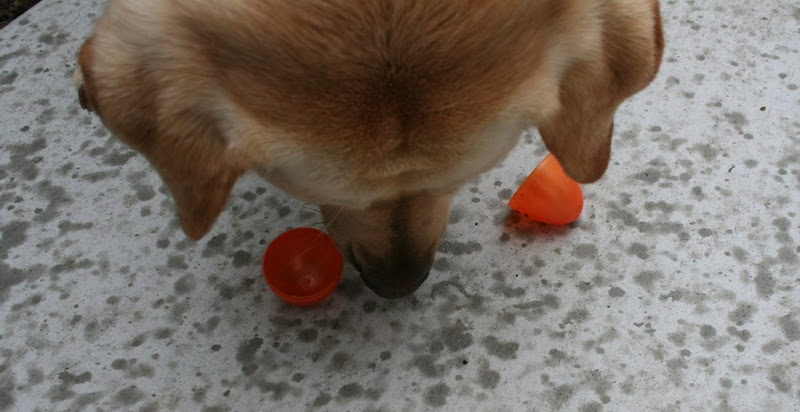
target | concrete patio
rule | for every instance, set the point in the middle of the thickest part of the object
(677, 290)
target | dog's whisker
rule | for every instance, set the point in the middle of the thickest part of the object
(334, 217)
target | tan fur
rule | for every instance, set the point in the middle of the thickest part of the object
(363, 106)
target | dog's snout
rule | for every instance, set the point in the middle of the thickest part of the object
(392, 243)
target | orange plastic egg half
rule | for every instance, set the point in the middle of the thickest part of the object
(548, 195)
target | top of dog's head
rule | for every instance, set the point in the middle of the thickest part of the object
(352, 102)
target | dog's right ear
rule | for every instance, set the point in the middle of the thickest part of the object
(199, 171)
(579, 133)
(84, 80)
(186, 147)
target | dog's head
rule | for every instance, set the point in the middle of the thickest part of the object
(376, 111)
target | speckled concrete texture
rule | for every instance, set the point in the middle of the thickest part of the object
(678, 290)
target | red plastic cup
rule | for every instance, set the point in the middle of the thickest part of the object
(548, 195)
(302, 266)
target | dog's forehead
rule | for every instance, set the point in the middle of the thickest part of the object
(410, 68)
(386, 104)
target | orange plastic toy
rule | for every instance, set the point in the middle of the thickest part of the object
(548, 195)
(302, 266)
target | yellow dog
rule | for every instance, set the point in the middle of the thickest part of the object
(376, 110)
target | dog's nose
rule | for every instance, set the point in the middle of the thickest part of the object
(393, 277)
(392, 287)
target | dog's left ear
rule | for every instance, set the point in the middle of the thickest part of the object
(579, 134)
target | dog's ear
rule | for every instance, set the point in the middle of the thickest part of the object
(199, 172)
(579, 134)
(83, 78)
(192, 158)
(185, 145)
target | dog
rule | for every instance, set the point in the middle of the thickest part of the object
(375, 110)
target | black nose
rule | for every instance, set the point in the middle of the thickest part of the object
(394, 286)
